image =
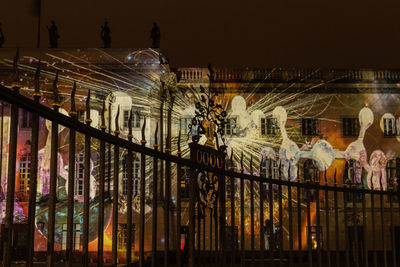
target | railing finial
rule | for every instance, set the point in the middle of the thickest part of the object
(334, 177)
(88, 120)
(130, 136)
(57, 99)
(37, 81)
(143, 141)
(73, 108)
(251, 163)
(179, 139)
(116, 131)
(103, 119)
(241, 162)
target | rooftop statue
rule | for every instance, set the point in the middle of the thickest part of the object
(155, 36)
(106, 35)
(53, 35)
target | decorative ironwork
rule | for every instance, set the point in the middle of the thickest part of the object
(209, 116)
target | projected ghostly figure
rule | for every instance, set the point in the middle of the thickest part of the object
(377, 171)
(289, 152)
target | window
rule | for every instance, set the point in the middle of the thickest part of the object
(184, 124)
(79, 173)
(389, 126)
(76, 237)
(135, 173)
(123, 236)
(269, 126)
(24, 172)
(309, 126)
(230, 126)
(26, 119)
(351, 127)
(392, 174)
(270, 168)
(135, 119)
(185, 178)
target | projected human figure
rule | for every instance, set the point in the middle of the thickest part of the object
(289, 152)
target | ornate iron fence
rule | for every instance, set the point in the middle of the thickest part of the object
(286, 223)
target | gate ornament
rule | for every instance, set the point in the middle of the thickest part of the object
(209, 119)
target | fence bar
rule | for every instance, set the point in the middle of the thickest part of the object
(32, 178)
(392, 234)
(289, 188)
(271, 242)
(318, 226)
(216, 225)
(12, 159)
(299, 237)
(375, 260)
(129, 166)
(252, 220)
(382, 223)
(192, 222)
(52, 194)
(261, 192)
(335, 198)
(100, 238)
(86, 189)
(280, 217)
(142, 197)
(242, 230)
(222, 217)
(355, 231)
(109, 154)
(155, 206)
(115, 196)
(346, 230)
(167, 193)
(309, 244)
(364, 215)
(328, 251)
(71, 185)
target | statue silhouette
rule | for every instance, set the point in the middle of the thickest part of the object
(53, 35)
(106, 35)
(1, 36)
(155, 36)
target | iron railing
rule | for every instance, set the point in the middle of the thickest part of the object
(279, 222)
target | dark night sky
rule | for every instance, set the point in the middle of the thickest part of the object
(235, 33)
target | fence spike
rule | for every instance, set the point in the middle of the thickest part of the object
(57, 99)
(130, 136)
(16, 84)
(179, 139)
(288, 173)
(103, 119)
(73, 108)
(116, 131)
(231, 158)
(326, 181)
(241, 162)
(334, 177)
(37, 83)
(143, 141)
(251, 163)
(88, 120)
(156, 137)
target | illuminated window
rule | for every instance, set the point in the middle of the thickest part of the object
(79, 174)
(349, 177)
(136, 179)
(351, 127)
(122, 236)
(309, 127)
(24, 172)
(389, 126)
(76, 237)
(269, 126)
(26, 119)
(230, 126)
